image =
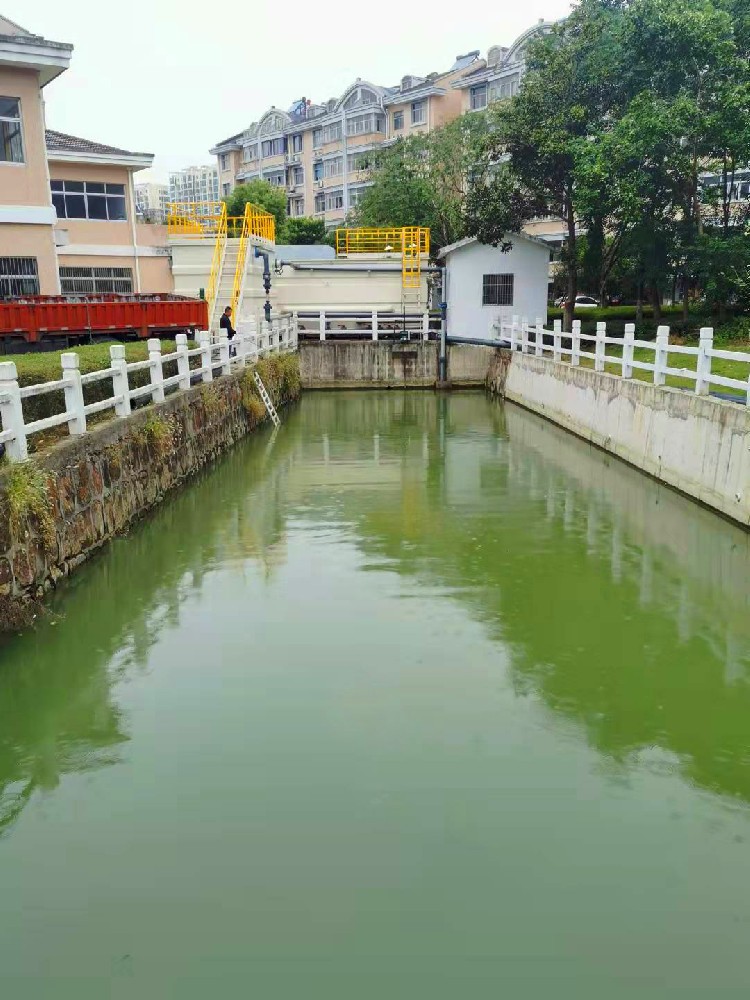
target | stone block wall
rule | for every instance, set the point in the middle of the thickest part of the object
(98, 484)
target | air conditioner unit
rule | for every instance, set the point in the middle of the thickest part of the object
(320, 184)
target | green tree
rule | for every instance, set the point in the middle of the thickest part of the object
(536, 137)
(266, 196)
(303, 230)
(422, 180)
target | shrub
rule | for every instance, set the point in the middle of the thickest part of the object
(27, 500)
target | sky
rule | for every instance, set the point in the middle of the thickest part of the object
(163, 77)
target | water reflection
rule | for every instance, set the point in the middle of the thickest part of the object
(624, 607)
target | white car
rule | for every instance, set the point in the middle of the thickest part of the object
(586, 302)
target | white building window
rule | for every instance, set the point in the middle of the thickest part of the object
(320, 203)
(478, 97)
(497, 290)
(224, 160)
(418, 112)
(18, 276)
(297, 143)
(89, 200)
(364, 124)
(333, 167)
(398, 121)
(226, 189)
(11, 141)
(96, 280)
(334, 201)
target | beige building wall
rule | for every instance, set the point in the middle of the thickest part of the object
(26, 185)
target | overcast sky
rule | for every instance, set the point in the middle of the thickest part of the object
(165, 78)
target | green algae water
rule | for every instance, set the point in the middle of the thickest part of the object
(417, 697)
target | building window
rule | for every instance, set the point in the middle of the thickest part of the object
(226, 189)
(89, 200)
(18, 276)
(478, 97)
(333, 167)
(398, 121)
(497, 290)
(317, 138)
(359, 161)
(419, 112)
(96, 280)
(318, 171)
(11, 143)
(297, 175)
(365, 124)
(334, 201)
(224, 161)
(297, 143)
(273, 147)
(320, 203)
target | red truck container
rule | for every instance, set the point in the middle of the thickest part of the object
(41, 318)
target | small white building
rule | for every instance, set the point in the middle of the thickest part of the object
(483, 286)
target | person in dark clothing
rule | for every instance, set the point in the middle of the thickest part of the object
(225, 323)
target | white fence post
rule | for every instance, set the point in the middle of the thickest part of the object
(74, 403)
(524, 335)
(557, 340)
(627, 350)
(374, 324)
(322, 324)
(223, 344)
(539, 338)
(11, 412)
(183, 361)
(157, 370)
(425, 326)
(276, 335)
(703, 374)
(661, 355)
(204, 342)
(575, 346)
(295, 331)
(120, 384)
(514, 333)
(600, 350)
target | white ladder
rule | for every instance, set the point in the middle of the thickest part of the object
(266, 399)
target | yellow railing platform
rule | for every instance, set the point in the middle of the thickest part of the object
(411, 242)
(201, 219)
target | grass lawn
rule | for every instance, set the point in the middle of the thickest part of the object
(46, 366)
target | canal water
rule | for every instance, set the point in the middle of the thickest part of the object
(417, 697)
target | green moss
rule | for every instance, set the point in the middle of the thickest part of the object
(211, 400)
(158, 433)
(28, 501)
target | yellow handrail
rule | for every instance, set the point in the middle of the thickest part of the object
(411, 259)
(389, 240)
(194, 218)
(255, 222)
(216, 261)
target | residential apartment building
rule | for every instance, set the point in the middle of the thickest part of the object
(194, 184)
(151, 201)
(319, 152)
(67, 205)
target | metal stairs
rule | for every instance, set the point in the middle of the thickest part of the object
(225, 284)
(266, 399)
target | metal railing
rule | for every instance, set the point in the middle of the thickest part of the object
(535, 339)
(352, 241)
(200, 219)
(367, 325)
(217, 262)
(218, 357)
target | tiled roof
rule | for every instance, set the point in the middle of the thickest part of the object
(60, 142)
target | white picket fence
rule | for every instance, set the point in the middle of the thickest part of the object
(218, 357)
(371, 324)
(535, 339)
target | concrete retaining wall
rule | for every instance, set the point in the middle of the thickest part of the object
(698, 445)
(98, 484)
(347, 364)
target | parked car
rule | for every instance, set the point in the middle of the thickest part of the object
(583, 302)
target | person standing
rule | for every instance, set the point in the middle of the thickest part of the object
(225, 323)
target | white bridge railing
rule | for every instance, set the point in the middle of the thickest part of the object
(374, 324)
(535, 339)
(220, 356)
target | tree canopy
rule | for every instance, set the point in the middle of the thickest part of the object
(266, 196)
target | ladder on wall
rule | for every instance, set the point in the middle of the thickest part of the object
(411, 268)
(268, 402)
